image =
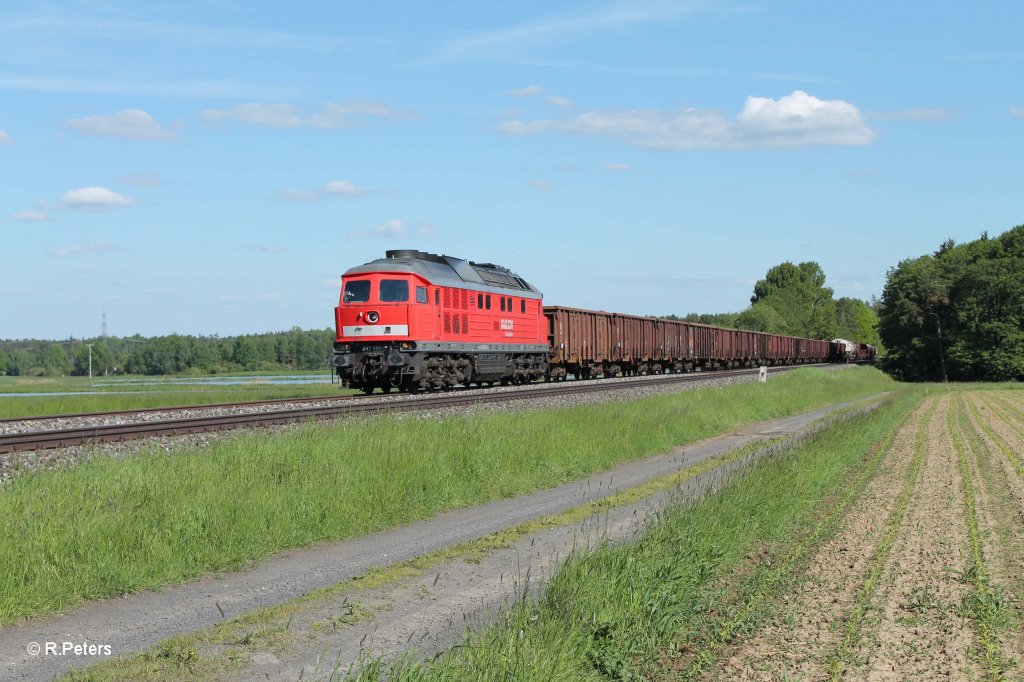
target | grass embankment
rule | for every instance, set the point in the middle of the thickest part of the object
(130, 396)
(704, 575)
(110, 526)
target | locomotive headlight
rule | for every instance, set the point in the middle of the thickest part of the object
(372, 317)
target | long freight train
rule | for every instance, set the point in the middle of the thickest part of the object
(415, 320)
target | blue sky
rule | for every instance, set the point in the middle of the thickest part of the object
(212, 167)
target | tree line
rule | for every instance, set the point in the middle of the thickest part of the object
(296, 349)
(793, 300)
(957, 313)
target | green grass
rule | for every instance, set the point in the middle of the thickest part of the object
(704, 575)
(110, 526)
(127, 395)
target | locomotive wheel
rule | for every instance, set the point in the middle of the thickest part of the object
(367, 389)
(386, 387)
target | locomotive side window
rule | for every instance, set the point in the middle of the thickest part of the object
(357, 291)
(487, 302)
(437, 297)
(480, 301)
(522, 305)
(502, 304)
(394, 291)
(421, 294)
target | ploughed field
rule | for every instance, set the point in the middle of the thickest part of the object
(925, 578)
(887, 547)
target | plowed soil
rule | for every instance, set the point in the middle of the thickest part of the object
(925, 579)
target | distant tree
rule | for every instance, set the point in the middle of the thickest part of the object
(245, 353)
(958, 312)
(792, 299)
(856, 321)
(55, 360)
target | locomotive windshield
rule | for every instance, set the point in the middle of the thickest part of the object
(357, 291)
(394, 291)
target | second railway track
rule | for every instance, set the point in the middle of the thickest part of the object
(108, 433)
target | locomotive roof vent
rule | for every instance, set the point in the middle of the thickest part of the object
(412, 254)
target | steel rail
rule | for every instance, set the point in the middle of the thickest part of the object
(41, 440)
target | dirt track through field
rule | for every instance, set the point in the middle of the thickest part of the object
(925, 579)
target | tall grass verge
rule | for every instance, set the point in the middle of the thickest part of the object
(111, 526)
(704, 574)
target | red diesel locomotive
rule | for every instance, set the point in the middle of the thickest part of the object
(414, 320)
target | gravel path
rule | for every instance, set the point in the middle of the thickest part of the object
(138, 621)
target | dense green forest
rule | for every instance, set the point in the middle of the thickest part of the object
(793, 300)
(957, 313)
(174, 354)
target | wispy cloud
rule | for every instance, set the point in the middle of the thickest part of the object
(1017, 111)
(541, 185)
(528, 91)
(335, 189)
(128, 124)
(271, 249)
(395, 229)
(796, 120)
(30, 216)
(917, 114)
(617, 167)
(560, 102)
(150, 86)
(146, 179)
(508, 41)
(83, 250)
(5, 138)
(349, 114)
(190, 35)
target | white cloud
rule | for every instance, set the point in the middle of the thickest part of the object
(127, 124)
(271, 248)
(342, 188)
(232, 298)
(542, 185)
(528, 91)
(270, 297)
(30, 216)
(93, 199)
(617, 167)
(5, 138)
(1017, 111)
(391, 229)
(918, 114)
(335, 189)
(83, 250)
(426, 230)
(350, 114)
(796, 120)
(560, 102)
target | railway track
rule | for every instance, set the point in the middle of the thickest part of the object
(344, 407)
